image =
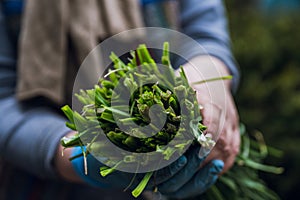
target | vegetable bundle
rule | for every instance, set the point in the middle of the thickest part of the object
(141, 107)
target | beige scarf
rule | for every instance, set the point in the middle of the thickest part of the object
(57, 35)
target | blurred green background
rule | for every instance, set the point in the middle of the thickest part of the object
(266, 45)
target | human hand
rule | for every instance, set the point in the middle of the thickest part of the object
(191, 181)
(227, 146)
(219, 111)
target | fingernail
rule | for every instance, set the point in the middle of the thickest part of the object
(217, 166)
(182, 161)
(203, 153)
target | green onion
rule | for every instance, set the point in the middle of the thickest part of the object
(139, 189)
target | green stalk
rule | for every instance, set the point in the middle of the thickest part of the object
(246, 146)
(141, 186)
(229, 77)
(104, 171)
(259, 166)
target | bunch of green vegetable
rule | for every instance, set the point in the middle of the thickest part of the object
(141, 107)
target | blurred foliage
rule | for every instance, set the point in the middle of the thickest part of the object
(266, 46)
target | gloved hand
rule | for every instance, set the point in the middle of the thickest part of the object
(182, 179)
(119, 179)
(192, 180)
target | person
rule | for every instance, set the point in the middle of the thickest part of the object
(32, 125)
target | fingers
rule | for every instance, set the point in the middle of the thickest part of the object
(227, 148)
(213, 119)
(184, 175)
(233, 147)
(200, 182)
(166, 173)
(228, 141)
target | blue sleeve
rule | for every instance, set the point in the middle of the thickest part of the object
(206, 22)
(28, 135)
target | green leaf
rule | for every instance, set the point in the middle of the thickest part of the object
(68, 112)
(139, 189)
(213, 79)
(104, 171)
(262, 167)
(99, 99)
(228, 182)
(71, 141)
(144, 55)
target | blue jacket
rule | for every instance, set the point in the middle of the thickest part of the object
(30, 133)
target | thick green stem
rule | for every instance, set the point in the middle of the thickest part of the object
(141, 186)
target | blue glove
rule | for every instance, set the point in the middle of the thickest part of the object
(119, 179)
(192, 181)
